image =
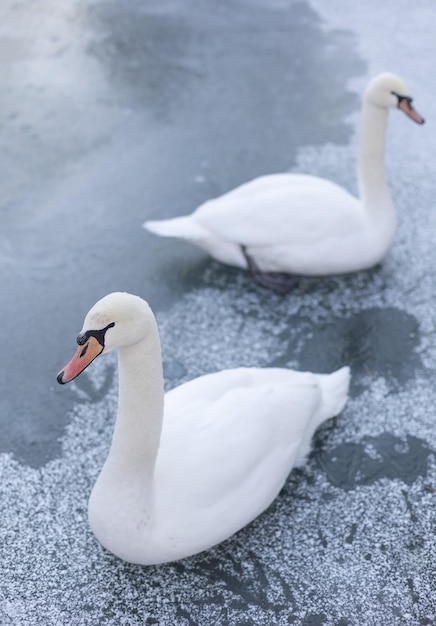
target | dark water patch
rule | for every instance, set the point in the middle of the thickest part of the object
(350, 538)
(350, 465)
(322, 538)
(204, 61)
(146, 51)
(314, 619)
(375, 342)
(174, 370)
(409, 506)
(414, 595)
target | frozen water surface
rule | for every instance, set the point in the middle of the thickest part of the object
(98, 148)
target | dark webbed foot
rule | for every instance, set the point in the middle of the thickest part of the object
(279, 282)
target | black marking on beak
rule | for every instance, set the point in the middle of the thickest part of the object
(400, 97)
(405, 104)
(82, 338)
(59, 378)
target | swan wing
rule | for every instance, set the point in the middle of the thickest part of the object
(294, 211)
(228, 444)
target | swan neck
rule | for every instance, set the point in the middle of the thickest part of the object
(140, 404)
(372, 184)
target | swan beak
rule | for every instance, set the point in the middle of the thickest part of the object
(405, 104)
(83, 356)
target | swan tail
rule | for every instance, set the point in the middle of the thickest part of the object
(334, 390)
(181, 227)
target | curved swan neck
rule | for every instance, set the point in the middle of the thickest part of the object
(140, 404)
(372, 184)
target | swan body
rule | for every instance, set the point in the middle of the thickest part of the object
(302, 224)
(176, 485)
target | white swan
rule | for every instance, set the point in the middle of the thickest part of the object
(228, 440)
(302, 224)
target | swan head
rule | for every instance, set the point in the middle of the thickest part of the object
(116, 321)
(389, 91)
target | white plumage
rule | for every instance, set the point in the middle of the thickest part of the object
(301, 224)
(173, 486)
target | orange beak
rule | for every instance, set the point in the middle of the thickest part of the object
(83, 356)
(405, 104)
